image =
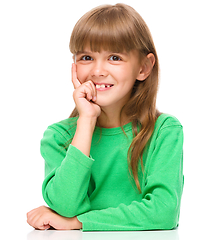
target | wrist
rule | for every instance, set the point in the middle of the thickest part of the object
(76, 224)
(84, 133)
(88, 123)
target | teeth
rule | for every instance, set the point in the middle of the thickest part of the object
(102, 86)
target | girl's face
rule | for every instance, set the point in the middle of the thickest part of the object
(113, 74)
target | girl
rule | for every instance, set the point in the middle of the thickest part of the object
(116, 163)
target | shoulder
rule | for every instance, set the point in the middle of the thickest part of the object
(167, 126)
(166, 141)
(64, 129)
(167, 121)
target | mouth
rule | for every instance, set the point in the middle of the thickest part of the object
(103, 86)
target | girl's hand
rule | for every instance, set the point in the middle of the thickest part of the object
(43, 218)
(85, 97)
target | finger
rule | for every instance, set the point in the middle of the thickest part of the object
(75, 80)
(41, 222)
(41, 226)
(32, 211)
(88, 91)
(94, 92)
(30, 217)
(91, 85)
(93, 89)
(44, 227)
(32, 220)
(33, 216)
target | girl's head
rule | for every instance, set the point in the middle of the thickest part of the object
(120, 29)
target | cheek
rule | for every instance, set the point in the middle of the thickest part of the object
(127, 81)
(82, 73)
(126, 76)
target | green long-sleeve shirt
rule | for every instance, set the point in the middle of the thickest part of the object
(99, 189)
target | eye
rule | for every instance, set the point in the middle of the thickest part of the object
(86, 58)
(115, 58)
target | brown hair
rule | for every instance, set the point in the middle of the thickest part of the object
(120, 28)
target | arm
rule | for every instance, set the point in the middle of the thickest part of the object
(83, 135)
(88, 113)
(65, 188)
(161, 191)
(67, 175)
(68, 172)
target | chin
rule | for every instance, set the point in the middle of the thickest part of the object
(104, 103)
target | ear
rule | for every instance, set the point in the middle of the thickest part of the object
(146, 67)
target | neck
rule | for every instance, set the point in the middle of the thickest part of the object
(112, 118)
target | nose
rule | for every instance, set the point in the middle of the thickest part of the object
(98, 69)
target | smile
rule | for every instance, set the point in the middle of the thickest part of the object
(103, 87)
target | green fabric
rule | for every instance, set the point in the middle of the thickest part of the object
(99, 189)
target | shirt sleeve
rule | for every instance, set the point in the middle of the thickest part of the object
(162, 190)
(67, 175)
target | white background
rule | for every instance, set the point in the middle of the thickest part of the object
(36, 91)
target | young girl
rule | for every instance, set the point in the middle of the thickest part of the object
(116, 163)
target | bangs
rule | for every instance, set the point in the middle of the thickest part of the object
(105, 29)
